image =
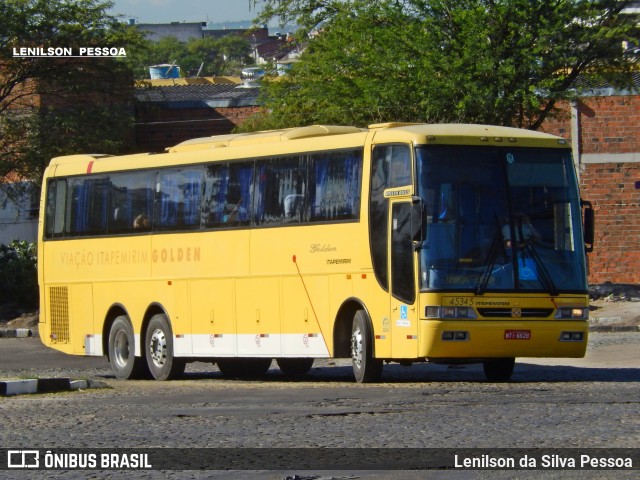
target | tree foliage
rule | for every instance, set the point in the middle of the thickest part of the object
(55, 106)
(208, 56)
(18, 274)
(504, 62)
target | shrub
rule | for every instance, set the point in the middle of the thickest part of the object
(18, 275)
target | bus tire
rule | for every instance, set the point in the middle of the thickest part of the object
(122, 358)
(294, 367)
(159, 350)
(366, 368)
(244, 368)
(498, 369)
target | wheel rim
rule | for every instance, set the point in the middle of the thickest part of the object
(356, 347)
(121, 348)
(158, 348)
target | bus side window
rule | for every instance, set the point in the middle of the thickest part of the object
(55, 208)
(215, 194)
(87, 207)
(335, 186)
(281, 191)
(131, 202)
(179, 199)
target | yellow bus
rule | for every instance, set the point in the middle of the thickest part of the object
(398, 242)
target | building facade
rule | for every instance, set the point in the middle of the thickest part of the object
(604, 128)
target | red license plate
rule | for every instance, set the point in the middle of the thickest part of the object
(517, 334)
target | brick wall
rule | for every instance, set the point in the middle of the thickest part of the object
(159, 128)
(609, 144)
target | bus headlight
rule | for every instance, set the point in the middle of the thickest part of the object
(581, 313)
(450, 312)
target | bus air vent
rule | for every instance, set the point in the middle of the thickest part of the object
(523, 312)
(59, 309)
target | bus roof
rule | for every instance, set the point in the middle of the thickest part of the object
(463, 134)
(314, 137)
(241, 139)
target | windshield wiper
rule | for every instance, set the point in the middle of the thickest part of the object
(494, 251)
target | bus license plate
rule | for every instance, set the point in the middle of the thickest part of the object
(517, 334)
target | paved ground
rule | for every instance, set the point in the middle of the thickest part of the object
(580, 403)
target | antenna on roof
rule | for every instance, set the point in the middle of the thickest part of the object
(170, 68)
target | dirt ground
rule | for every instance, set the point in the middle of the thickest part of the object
(604, 311)
(27, 320)
(614, 312)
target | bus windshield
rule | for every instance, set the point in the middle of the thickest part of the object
(500, 219)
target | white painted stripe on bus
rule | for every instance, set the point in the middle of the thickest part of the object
(230, 345)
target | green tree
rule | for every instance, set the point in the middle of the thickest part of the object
(236, 53)
(33, 130)
(164, 51)
(216, 56)
(503, 62)
(18, 275)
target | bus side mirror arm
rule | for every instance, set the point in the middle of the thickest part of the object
(588, 226)
(417, 222)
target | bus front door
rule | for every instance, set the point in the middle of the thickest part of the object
(403, 306)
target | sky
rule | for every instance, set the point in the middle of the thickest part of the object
(166, 11)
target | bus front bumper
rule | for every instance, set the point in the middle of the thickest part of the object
(452, 339)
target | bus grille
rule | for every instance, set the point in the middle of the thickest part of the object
(516, 312)
(59, 308)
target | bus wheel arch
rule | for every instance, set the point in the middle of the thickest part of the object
(343, 325)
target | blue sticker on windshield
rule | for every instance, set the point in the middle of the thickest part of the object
(527, 269)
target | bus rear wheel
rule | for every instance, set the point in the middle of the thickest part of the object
(294, 367)
(162, 363)
(124, 363)
(366, 368)
(244, 368)
(498, 369)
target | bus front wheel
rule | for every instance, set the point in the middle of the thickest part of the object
(498, 369)
(366, 368)
(159, 350)
(122, 357)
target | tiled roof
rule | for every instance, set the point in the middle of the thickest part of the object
(194, 96)
(598, 87)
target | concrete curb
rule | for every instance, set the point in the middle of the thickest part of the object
(614, 328)
(46, 385)
(17, 333)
